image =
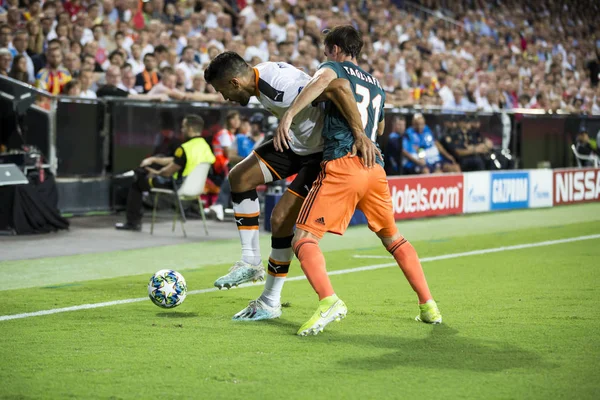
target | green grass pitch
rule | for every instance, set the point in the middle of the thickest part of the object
(518, 324)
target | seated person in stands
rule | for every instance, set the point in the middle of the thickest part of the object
(413, 158)
(393, 149)
(437, 159)
(586, 146)
(468, 154)
(243, 144)
(167, 172)
(493, 159)
(247, 139)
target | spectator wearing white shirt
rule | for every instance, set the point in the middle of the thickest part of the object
(86, 77)
(437, 45)
(20, 42)
(188, 65)
(253, 11)
(277, 28)
(254, 43)
(137, 65)
(466, 51)
(127, 81)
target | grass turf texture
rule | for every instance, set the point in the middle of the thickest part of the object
(517, 324)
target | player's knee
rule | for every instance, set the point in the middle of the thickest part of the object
(299, 235)
(246, 175)
(388, 237)
(280, 225)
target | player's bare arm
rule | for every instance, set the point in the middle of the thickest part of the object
(340, 93)
(168, 170)
(162, 161)
(311, 91)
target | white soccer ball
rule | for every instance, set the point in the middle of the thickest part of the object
(167, 288)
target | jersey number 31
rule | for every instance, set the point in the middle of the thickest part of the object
(363, 108)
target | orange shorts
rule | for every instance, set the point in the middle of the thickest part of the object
(344, 185)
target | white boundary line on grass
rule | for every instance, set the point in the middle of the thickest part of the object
(299, 278)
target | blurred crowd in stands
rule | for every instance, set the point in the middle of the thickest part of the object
(473, 55)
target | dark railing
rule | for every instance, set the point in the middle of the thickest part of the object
(90, 138)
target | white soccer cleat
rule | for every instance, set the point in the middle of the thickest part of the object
(241, 272)
(218, 211)
(258, 310)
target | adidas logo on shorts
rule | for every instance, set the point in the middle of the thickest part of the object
(320, 221)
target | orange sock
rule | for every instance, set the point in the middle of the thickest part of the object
(408, 260)
(313, 264)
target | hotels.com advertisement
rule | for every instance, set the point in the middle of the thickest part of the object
(576, 186)
(426, 196)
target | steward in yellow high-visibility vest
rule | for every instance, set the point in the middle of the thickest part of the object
(167, 172)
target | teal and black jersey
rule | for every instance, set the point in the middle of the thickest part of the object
(370, 98)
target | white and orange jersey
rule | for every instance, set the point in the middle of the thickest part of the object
(278, 85)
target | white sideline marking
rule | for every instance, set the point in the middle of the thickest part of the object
(299, 278)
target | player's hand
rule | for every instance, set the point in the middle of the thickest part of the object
(367, 149)
(147, 162)
(282, 134)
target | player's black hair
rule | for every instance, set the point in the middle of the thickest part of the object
(226, 65)
(346, 38)
(195, 122)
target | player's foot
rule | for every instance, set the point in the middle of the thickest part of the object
(241, 272)
(430, 314)
(218, 211)
(258, 310)
(330, 309)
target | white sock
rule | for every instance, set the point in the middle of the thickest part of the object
(246, 209)
(279, 264)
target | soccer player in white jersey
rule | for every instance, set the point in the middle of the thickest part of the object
(276, 85)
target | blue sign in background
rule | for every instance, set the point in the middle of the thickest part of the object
(509, 190)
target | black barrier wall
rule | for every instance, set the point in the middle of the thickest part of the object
(79, 141)
(138, 129)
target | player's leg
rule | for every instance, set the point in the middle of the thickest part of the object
(331, 307)
(283, 218)
(377, 207)
(328, 208)
(244, 178)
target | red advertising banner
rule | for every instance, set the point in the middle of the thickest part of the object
(576, 186)
(426, 196)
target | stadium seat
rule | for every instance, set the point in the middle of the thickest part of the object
(192, 188)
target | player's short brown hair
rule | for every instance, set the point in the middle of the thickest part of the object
(346, 38)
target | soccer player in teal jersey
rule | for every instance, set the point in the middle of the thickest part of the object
(345, 183)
